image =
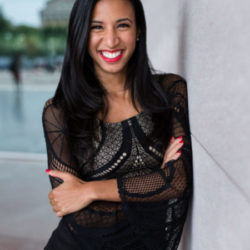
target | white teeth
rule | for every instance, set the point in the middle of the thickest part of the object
(111, 55)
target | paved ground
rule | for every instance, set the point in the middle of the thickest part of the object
(27, 219)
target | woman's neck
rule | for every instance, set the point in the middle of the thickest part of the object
(113, 83)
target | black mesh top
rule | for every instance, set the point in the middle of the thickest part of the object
(154, 200)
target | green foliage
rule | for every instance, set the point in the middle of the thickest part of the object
(31, 41)
(4, 23)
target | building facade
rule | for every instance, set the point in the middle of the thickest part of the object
(56, 13)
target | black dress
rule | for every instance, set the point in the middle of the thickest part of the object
(154, 200)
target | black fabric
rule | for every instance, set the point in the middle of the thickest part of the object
(62, 238)
(154, 200)
(73, 237)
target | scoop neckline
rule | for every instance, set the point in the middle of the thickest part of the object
(120, 122)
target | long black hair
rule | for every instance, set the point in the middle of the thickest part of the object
(81, 95)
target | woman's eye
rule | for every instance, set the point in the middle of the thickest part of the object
(98, 27)
(124, 25)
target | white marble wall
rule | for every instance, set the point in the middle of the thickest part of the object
(208, 42)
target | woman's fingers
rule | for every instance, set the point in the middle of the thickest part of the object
(176, 156)
(53, 204)
(55, 209)
(177, 146)
(174, 144)
(171, 152)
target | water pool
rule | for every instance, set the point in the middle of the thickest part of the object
(21, 120)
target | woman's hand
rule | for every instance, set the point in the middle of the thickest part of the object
(70, 196)
(172, 152)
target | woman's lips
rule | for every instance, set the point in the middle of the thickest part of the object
(110, 56)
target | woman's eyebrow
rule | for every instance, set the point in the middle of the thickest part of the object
(124, 19)
(118, 21)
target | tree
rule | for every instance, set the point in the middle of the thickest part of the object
(5, 24)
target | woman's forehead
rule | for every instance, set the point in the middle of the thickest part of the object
(107, 10)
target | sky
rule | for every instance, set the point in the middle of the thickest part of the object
(23, 11)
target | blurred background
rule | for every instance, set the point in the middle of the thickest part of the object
(207, 42)
(32, 44)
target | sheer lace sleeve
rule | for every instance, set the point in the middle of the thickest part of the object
(58, 153)
(147, 199)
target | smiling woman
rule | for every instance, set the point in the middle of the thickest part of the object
(112, 38)
(114, 130)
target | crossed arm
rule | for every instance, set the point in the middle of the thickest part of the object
(75, 194)
(167, 182)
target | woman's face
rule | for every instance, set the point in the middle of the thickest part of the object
(112, 37)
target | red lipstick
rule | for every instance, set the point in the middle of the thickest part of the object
(111, 60)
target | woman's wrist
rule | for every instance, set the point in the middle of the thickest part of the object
(104, 190)
(92, 190)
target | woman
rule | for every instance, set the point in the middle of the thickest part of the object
(113, 132)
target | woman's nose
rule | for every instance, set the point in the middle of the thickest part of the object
(111, 38)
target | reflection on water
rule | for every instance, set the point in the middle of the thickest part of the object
(21, 120)
(17, 107)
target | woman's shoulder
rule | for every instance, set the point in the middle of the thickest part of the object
(168, 80)
(52, 110)
(49, 106)
(48, 103)
(52, 104)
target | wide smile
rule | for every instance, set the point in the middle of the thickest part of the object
(111, 56)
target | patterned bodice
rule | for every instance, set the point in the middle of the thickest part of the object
(124, 146)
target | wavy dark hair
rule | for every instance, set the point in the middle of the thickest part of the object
(81, 95)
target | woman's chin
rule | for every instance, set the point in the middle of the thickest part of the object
(113, 69)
